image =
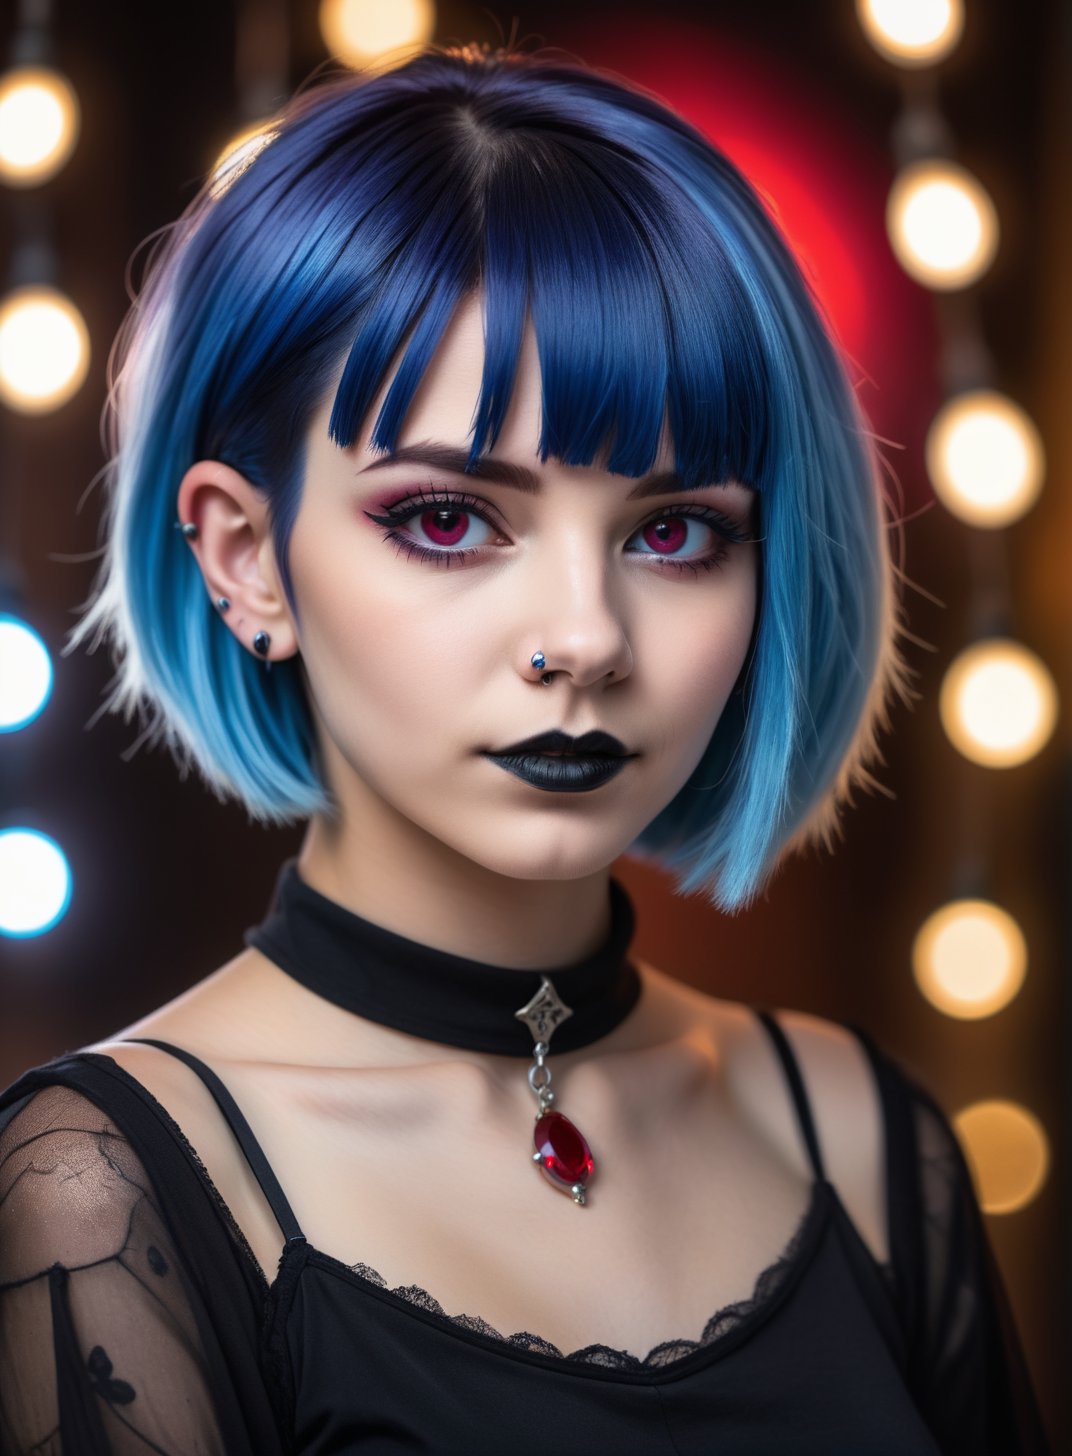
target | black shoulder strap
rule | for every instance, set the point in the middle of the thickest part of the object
(262, 1169)
(796, 1087)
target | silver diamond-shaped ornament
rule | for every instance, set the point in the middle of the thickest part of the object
(544, 1012)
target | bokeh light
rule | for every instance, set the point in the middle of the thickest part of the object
(1007, 1150)
(25, 673)
(912, 32)
(39, 125)
(985, 458)
(35, 882)
(941, 224)
(969, 959)
(998, 703)
(44, 349)
(359, 32)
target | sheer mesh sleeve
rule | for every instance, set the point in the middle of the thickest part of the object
(970, 1374)
(107, 1341)
(98, 1343)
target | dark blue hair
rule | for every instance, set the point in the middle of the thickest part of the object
(658, 287)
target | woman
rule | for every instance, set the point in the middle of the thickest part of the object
(487, 404)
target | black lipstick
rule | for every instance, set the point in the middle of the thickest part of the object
(559, 763)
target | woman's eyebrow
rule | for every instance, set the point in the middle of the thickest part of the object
(518, 477)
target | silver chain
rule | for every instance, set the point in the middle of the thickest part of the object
(542, 1088)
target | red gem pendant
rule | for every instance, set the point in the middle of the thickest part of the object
(562, 1153)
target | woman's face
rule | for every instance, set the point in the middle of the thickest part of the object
(417, 665)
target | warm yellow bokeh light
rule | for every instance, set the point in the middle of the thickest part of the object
(985, 458)
(969, 959)
(941, 224)
(1007, 1150)
(44, 349)
(998, 703)
(912, 32)
(237, 155)
(39, 124)
(361, 31)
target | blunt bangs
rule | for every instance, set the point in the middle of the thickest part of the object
(627, 333)
(661, 296)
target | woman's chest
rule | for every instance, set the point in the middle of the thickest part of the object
(436, 1187)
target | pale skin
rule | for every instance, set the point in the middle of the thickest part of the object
(382, 1141)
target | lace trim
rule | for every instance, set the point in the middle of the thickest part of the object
(721, 1322)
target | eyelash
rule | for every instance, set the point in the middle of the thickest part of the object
(404, 511)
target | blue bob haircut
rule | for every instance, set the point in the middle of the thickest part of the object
(660, 290)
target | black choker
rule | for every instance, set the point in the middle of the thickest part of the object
(430, 993)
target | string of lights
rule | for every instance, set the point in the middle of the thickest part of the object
(985, 460)
(44, 361)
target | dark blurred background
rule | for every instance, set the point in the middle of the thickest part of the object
(166, 879)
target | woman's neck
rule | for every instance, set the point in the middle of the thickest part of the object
(414, 885)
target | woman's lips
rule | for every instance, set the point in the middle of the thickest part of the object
(561, 773)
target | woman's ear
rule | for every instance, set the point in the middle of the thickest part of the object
(234, 549)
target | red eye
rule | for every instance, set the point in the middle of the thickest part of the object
(444, 527)
(443, 520)
(667, 535)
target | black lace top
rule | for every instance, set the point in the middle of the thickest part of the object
(135, 1318)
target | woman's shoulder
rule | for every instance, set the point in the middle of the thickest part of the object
(111, 1088)
(837, 1065)
(215, 1020)
(120, 1088)
(842, 1089)
(78, 1155)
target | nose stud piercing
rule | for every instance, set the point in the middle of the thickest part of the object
(539, 662)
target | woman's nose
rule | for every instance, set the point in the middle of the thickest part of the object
(577, 625)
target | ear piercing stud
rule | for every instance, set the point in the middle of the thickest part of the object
(262, 641)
